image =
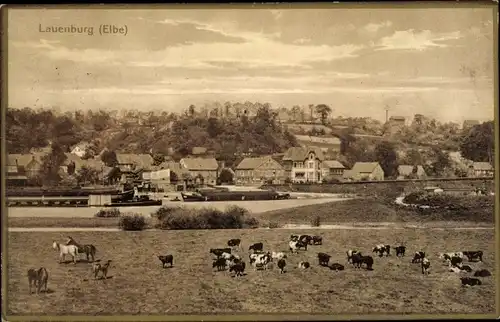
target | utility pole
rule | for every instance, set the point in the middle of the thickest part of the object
(386, 114)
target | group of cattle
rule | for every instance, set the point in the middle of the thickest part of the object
(260, 260)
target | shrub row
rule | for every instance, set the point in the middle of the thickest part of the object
(233, 217)
(108, 213)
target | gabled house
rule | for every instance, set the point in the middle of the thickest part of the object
(324, 143)
(80, 149)
(408, 171)
(303, 164)
(259, 170)
(481, 169)
(333, 169)
(201, 170)
(366, 171)
(26, 164)
(132, 162)
(15, 175)
(397, 120)
(469, 123)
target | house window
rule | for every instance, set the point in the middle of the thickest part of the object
(310, 164)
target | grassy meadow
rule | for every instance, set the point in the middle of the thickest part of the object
(139, 285)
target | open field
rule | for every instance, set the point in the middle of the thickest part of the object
(332, 212)
(253, 206)
(140, 286)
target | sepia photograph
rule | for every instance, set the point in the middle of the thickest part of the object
(214, 162)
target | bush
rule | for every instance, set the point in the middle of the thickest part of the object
(108, 213)
(131, 221)
(176, 218)
(273, 224)
(316, 221)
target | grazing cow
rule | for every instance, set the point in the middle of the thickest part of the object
(304, 265)
(167, 259)
(380, 249)
(278, 256)
(306, 239)
(455, 261)
(426, 264)
(260, 260)
(218, 251)
(350, 253)
(358, 260)
(470, 281)
(281, 265)
(337, 267)
(473, 256)
(466, 268)
(257, 247)
(418, 257)
(295, 245)
(220, 263)
(238, 268)
(235, 242)
(482, 273)
(38, 278)
(317, 240)
(400, 251)
(323, 259)
(448, 256)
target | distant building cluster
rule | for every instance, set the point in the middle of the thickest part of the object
(311, 162)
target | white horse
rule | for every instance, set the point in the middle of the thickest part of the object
(71, 250)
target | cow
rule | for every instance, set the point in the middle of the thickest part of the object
(455, 261)
(281, 265)
(304, 265)
(482, 273)
(337, 267)
(470, 281)
(218, 251)
(381, 249)
(350, 253)
(323, 259)
(306, 239)
(400, 251)
(167, 259)
(358, 260)
(257, 247)
(418, 257)
(220, 263)
(425, 264)
(261, 260)
(235, 242)
(295, 245)
(473, 256)
(294, 237)
(238, 268)
(317, 240)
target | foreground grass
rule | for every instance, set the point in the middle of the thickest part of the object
(140, 286)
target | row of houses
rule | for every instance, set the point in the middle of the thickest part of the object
(297, 165)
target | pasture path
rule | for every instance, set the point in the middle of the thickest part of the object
(356, 226)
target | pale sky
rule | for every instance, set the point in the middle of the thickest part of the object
(437, 62)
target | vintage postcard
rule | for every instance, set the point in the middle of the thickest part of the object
(249, 162)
